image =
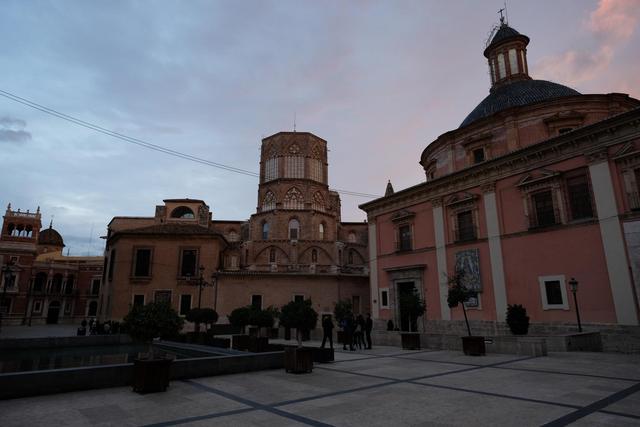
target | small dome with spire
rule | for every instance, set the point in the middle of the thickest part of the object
(50, 237)
(389, 190)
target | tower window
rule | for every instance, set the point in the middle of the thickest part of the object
(182, 212)
(321, 232)
(294, 229)
(265, 230)
(269, 202)
(501, 66)
(271, 169)
(314, 256)
(513, 61)
(294, 199)
(294, 167)
(316, 170)
(318, 202)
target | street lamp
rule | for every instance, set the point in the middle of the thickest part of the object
(8, 274)
(573, 285)
(202, 284)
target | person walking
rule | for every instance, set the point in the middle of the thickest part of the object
(327, 329)
(368, 328)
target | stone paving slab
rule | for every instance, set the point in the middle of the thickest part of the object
(385, 386)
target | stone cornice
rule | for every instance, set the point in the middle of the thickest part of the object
(618, 129)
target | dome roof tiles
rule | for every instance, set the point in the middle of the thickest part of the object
(50, 237)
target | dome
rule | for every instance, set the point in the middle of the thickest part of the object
(50, 237)
(517, 94)
(505, 32)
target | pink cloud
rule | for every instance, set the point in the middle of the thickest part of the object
(612, 24)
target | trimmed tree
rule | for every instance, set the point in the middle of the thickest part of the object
(261, 319)
(342, 310)
(299, 315)
(240, 317)
(459, 294)
(517, 319)
(151, 321)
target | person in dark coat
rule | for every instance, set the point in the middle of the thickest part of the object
(368, 328)
(347, 326)
(359, 332)
(327, 329)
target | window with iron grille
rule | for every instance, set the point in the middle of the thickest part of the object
(543, 209)
(466, 228)
(294, 167)
(271, 169)
(142, 261)
(579, 195)
(404, 234)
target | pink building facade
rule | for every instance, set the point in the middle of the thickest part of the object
(538, 185)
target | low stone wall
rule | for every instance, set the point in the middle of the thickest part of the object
(54, 342)
(32, 383)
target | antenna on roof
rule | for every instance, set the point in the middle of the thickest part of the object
(295, 116)
(51, 222)
(90, 241)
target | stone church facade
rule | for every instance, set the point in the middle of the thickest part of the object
(294, 246)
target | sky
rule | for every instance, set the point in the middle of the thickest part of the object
(379, 80)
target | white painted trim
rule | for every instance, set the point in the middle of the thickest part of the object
(441, 257)
(543, 292)
(382, 305)
(373, 270)
(495, 255)
(613, 244)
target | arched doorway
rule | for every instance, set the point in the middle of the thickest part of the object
(53, 312)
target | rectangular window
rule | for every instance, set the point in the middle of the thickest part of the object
(256, 302)
(142, 263)
(271, 169)
(185, 304)
(315, 170)
(501, 66)
(544, 212)
(37, 306)
(478, 155)
(579, 194)
(298, 298)
(404, 234)
(163, 297)
(466, 228)
(233, 261)
(513, 61)
(384, 298)
(112, 262)
(95, 286)
(553, 293)
(188, 262)
(138, 300)
(294, 167)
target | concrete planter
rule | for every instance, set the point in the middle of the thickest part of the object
(410, 340)
(473, 346)
(298, 360)
(151, 375)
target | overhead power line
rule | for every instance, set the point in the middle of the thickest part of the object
(145, 144)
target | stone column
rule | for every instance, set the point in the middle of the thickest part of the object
(612, 241)
(441, 257)
(495, 252)
(373, 270)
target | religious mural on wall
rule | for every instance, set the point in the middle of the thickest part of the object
(468, 264)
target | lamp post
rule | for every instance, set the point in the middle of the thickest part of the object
(573, 285)
(214, 283)
(203, 284)
(7, 272)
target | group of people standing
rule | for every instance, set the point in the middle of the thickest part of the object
(356, 329)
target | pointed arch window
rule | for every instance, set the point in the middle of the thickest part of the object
(265, 230)
(352, 237)
(268, 202)
(321, 231)
(318, 202)
(294, 229)
(272, 255)
(294, 199)
(314, 256)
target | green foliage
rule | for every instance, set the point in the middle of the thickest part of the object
(517, 319)
(208, 316)
(151, 321)
(342, 310)
(261, 318)
(412, 305)
(240, 317)
(299, 315)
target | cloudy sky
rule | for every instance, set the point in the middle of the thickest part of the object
(377, 80)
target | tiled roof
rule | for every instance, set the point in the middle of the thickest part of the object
(517, 94)
(189, 229)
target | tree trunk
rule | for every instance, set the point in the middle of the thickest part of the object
(464, 310)
(299, 337)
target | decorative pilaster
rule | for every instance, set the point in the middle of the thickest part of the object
(441, 257)
(495, 252)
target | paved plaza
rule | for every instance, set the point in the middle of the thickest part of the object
(382, 387)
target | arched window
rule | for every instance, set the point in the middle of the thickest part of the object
(272, 255)
(314, 256)
(233, 236)
(40, 282)
(269, 202)
(29, 231)
(10, 229)
(265, 230)
(321, 231)
(502, 66)
(182, 212)
(294, 199)
(352, 237)
(294, 229)
(318, 202)
(350, 257)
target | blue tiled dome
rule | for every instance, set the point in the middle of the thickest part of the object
(517, 94)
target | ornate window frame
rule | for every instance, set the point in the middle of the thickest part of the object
(544, 180)
(402, 219)
(458, 204)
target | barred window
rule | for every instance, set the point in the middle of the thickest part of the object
(269, 202)
(318, 202)
(294, 167)
(294, 229)
(316, 170)
(271, 169)
(293, 199)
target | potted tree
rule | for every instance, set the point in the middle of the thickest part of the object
(262, 319)
(341, 311)
(459, 294)
(299, 315)
(151, 372)
(517, 319)
(240, 319)
(412, 306)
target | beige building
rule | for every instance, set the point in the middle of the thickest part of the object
(294, 246)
